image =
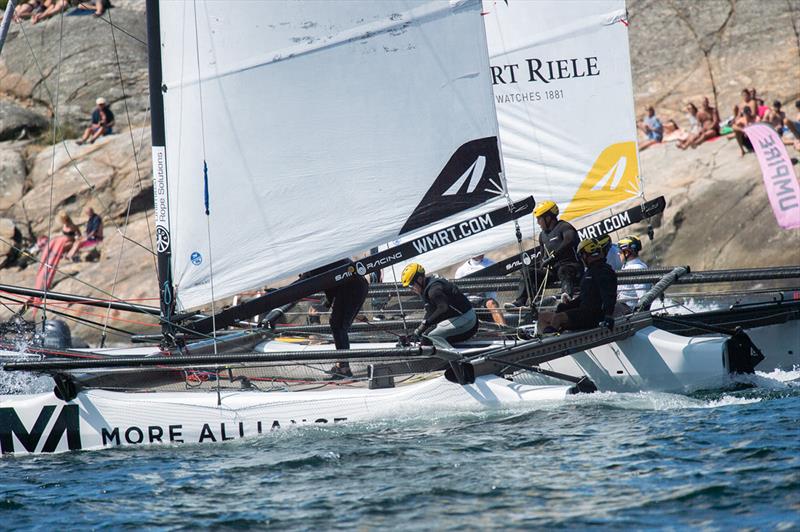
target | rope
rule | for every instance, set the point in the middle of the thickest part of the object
(205, 178)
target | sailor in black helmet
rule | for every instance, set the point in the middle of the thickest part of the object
(598, 296)
(448, 313)
(558, 241)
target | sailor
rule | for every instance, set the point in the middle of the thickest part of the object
(559, 243)
(448, 313)
(488, 299)
(629, 248)
(345, 301)
(598, 295)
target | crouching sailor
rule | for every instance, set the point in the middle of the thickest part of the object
(448, 313)
(598, 295)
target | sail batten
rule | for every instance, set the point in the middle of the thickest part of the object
(345, 124)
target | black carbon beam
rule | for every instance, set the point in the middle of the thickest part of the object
(607, 225)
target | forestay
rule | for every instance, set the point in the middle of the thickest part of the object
(562, 85)
(327, 128)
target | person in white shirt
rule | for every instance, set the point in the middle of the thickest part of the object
(476, 263)
(612, 252)
(629, 248)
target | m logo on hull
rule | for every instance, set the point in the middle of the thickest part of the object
(471, 177)
(68, 421)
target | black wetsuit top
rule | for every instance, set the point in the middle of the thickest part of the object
(443, 300)
(598, 292)
(562, 242)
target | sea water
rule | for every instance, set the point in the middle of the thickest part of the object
(715, 460)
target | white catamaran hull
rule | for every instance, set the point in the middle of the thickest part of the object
(99, 419)
(650, 360)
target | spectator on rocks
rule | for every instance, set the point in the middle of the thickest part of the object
(28, 9)
(673, 132)
(102, 123)
(775, 117)
(93, 236)
(651, 126)
(51, 7)
(748, 100)
(794, 125)
(747, 118)
(695, 125)
(708, 118)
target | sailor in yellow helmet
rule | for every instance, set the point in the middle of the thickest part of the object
(598, 295)
(558, 242)
(448, 313)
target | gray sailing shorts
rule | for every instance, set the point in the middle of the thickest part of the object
(458, 326)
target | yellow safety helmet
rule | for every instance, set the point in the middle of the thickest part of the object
(545, 207)
(591, 247)
(605, 242)
(410, 273)
(630, 242)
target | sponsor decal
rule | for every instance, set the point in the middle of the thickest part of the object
(454, 233)
(196, 258)
(608, 225)
(471, 177)
(361, 269)
(67, 422)
(160, 188)
(162, 239)
(613, 178)
(533, 70)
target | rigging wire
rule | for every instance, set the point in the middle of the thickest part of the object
(205, 178)
(138, 176)
(48, 256)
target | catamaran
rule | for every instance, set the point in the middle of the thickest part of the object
(357, 103)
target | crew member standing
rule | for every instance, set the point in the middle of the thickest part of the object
(559, 244)
(448, 313)
(595, 304)
(345, 301)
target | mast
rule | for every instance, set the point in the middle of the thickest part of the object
(166, 292)
(6, 22)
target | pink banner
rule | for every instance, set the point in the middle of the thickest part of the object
(778, 172)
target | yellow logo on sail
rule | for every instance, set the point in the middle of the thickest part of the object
(614, 177)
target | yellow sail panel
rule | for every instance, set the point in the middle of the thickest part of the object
(614, 178)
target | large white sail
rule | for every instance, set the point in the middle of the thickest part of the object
(563, 92)
(327, 128)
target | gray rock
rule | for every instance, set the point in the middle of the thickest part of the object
(12, 176)
(88, 67)
(15, 119)
(9, 239)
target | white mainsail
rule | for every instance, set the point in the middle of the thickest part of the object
(327, 128)
(563, 92)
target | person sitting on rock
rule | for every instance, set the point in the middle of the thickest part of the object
(651, 126)
(477, 263)
(102, 123)
(51, 7)
(93, 236)
(794, 125)
(594, 306)
(629, 248)
(775, 117)
(27, 9)
(748, 100)
(747, 117)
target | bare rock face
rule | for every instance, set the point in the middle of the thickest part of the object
(9, 239)
(69, 74)
(12, 175)
(682, 50)
(718, 215)
(16, 120)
